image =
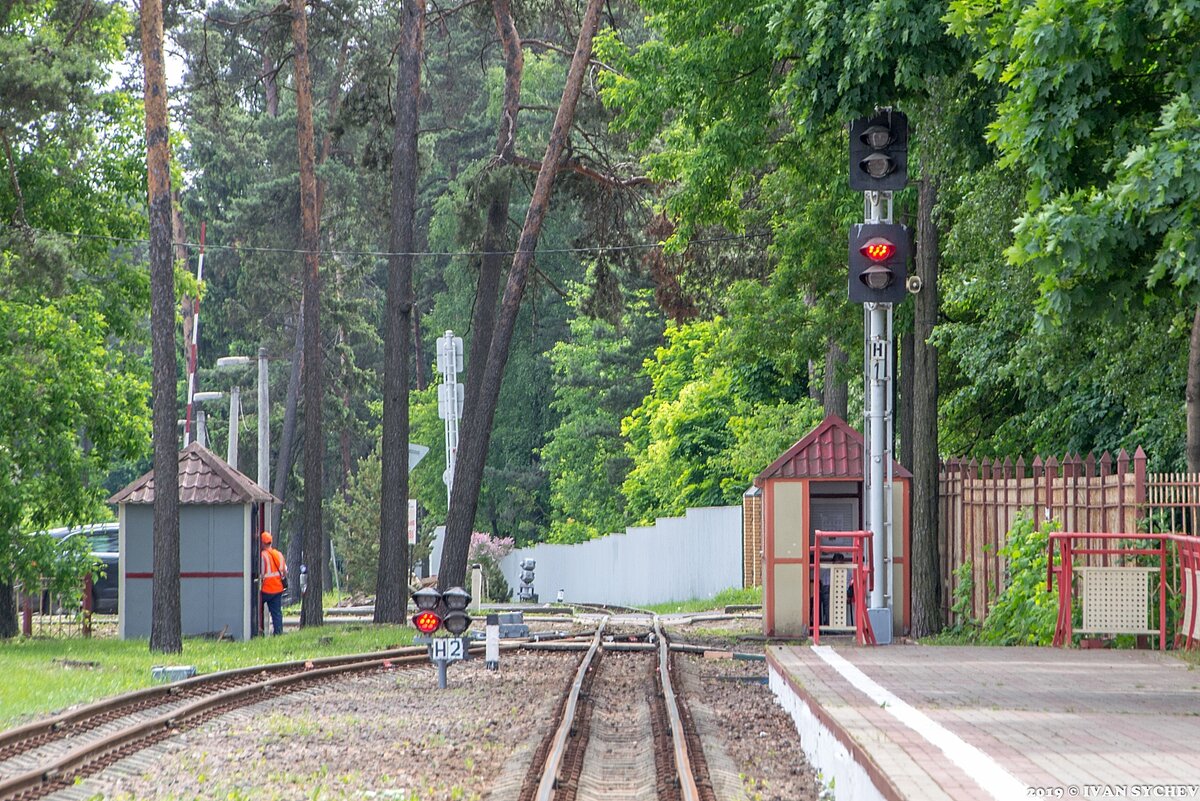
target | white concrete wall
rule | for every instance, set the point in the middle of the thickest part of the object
(676, 559)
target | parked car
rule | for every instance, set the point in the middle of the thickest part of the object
(103, 539)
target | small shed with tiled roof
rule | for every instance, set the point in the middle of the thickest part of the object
(219, 514)
(818, 484)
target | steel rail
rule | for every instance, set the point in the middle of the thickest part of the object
(545, 790)
(683, 763)
(80, 758)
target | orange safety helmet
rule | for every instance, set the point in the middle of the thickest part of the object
(266, 538)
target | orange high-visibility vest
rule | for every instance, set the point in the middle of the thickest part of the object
(273, 568)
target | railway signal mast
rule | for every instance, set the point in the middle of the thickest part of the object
(878, 278)
(450, 399)
(442, 610)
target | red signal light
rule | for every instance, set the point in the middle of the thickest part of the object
(427, 622)
(878, 249)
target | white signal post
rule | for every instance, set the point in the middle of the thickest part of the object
(877, 395)
(450, 399)
(879, 251)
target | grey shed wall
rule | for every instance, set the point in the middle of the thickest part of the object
(214, 558)
(676, 559)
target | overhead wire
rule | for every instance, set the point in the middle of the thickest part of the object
(415, 254)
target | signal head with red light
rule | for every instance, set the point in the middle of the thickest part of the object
(878, 262)
(437, 610)
(878, 249)
(427, 621)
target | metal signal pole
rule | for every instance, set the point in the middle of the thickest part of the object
(450, 399)
(877, 395)
(879, 251)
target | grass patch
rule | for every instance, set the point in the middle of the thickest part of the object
(952, 637)
(1190, 657)
(329, 600)
(45, 675)
(730, 597)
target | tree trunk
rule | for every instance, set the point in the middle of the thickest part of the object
(904, 425)
(418, 356)
(9, 627)
(283, 467)
(836, 394)
(495, 239)
(270, 84)
(816, 390)
(926, 579)
(311, 611)
(165, 627)
(478, 423)
(294, 558)
(1192, 395)
(391, 582)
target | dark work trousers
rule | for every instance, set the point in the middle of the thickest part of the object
(274, 602)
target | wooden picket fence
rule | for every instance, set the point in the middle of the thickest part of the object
(981, 499)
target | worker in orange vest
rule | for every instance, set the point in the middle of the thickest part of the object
(274, 582)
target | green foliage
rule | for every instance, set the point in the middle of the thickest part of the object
(355, 526)
(1098, 112)
(963, 601)
(702, 433)
(487, 551)
(73, 389)
(61, 564)
(597, 381)
(762, 434)
(58, 377)
(1014, 387)
(1026, 612)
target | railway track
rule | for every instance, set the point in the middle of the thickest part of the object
(48, 755)
(621, 734)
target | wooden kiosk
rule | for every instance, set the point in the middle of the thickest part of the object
(220, 511)
(818, 484)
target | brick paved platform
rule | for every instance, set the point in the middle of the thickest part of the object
(930, 722)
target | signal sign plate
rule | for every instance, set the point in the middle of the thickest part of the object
(447, 649)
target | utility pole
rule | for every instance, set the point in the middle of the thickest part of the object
(235, 408)
(264, 433)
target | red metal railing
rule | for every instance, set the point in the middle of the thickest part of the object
(1187, 551)
(859, 553)
(1186, 579)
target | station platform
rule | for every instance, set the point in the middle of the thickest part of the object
(933, 723)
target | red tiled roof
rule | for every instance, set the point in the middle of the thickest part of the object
(831, 450)
(204, 477)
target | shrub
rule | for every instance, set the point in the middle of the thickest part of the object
(964, 591)
(487, 551)
(1026, 612)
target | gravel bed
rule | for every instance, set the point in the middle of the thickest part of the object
(396, 736)
(737, 634)
(387, 736)
(753, 729)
